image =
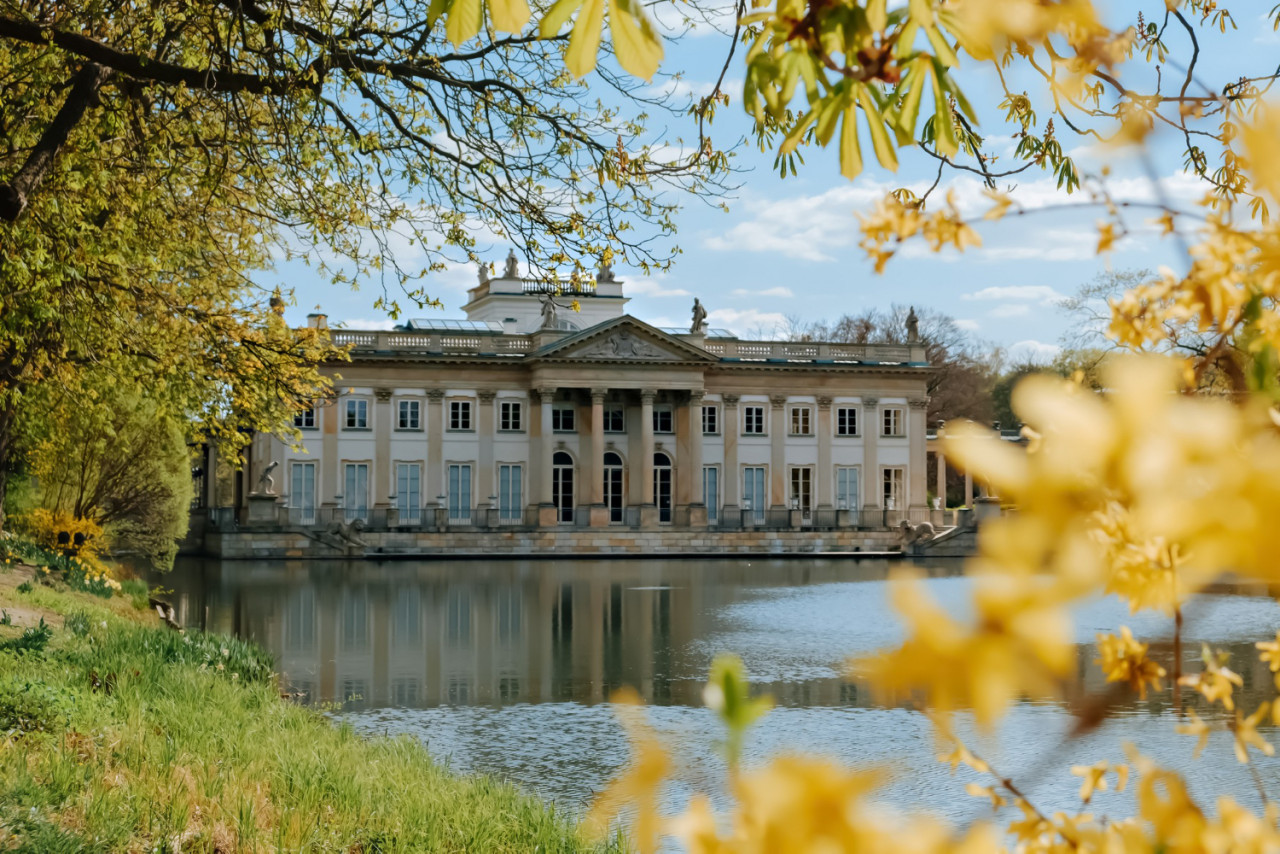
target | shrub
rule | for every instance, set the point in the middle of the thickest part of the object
(55, 530)
(31, 707)
(34, 639)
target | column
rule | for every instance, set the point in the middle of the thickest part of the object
(599, 513)
(941, 490)
(731, 483)
(695, 447)
(381, 485)
(211, 474)
(330, 485)
(778, 451)
(968, 490)
(433, 479)
(826, 494)
(917, 476)
(872, 487)
(545, 447)
(486, 479)
(645, 468)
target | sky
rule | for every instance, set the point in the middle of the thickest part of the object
(787, 249)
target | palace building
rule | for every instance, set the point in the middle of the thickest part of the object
(552, 407)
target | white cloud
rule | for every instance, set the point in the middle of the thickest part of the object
(781, 292)
(748, 322)
(681, 88)
(1033, 293)
(650, 288)
(967, 324)
(1031, 350)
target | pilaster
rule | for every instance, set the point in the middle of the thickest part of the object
(434, 479)
(778, 451)
(826, 494)
(917, 465)
(646, 447)
(730, 478)
(382, 485)
(873, 488)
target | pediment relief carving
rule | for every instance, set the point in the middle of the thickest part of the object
(625, 344)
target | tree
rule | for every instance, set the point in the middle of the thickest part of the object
(116, 458)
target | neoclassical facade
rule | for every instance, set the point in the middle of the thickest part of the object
(535, 413)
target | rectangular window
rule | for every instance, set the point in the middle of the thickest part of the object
(846, 421)
(754, 499)
(409, 492)
(753, 420)
(662, 420)
(615, 420)
(357, 414)
(710, 420)
(801, 421)
(711, 493)
(460, 415)
(460, 494)
(409, 415)
(510, 498)
(893, 495)
(562, 419)
(305, 419)
(355, 493)
(892, 421)
(302, 492)
(802, 489)
(509, 416)
(847, 488)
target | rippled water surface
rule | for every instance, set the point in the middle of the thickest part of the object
(505, 667)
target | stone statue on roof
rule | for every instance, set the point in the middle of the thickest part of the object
(605, 274)
(548, 312)
(512, 270)
(913, 327)
(699, 318)
(482, 270)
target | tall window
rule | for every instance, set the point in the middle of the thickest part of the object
(893, 490)
(355, 493)
(847, 488)
(802, 489)
(662, 485)
(891, 423)
(509, 416)
(460, 493)
(409, 492)
(710, 420)
(563, 419)
(409, 415)
(754, 497)
(510, 495)
(357, 414)
(460, 415)
(305, 419)
(613, 485)
(846, 421)
(711, 493)
(801, 421)
(562, 485)
(615, 420)
(302, 491)
(662, 420)
(753, 420)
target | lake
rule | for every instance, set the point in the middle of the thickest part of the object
(506, 667)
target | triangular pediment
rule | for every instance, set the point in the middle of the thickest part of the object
(624, 339)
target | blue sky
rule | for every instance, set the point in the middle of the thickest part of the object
(788, 248)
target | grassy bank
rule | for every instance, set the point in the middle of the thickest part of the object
(122, 735)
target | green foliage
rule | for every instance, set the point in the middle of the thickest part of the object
(77, 622)
(26, 587)
(728, 695)
(27, 707)
(137, 591)
(32, 640)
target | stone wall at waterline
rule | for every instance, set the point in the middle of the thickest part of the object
(558, 543)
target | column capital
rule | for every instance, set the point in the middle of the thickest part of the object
(731, 400)
(435, 394)
(777, 400)
(598, 395)
(382, 394)
(824, 403)
(486, 397)
(695, 396)
(546, 394)
(918, 402)
(647, 395)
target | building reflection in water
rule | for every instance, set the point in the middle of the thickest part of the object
(372, 635)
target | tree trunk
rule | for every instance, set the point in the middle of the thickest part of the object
(8, 413)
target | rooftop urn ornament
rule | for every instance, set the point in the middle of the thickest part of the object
(913, 327)
(605, 274)
(699, 318)
(482, 270)
(512, 269)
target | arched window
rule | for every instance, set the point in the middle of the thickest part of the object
(562, 485)
(662, 485)
(613, 486)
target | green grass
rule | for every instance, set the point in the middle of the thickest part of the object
(122, 736)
